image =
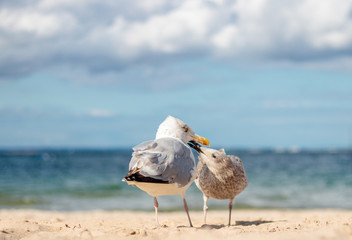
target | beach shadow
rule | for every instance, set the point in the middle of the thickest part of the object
(256, 222)
(212, 226)
(238, 223)
(183, 226)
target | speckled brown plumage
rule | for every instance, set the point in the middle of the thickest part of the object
(220, 176)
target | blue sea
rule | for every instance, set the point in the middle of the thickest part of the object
(78, 180)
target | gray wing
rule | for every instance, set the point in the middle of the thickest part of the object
(140, 148)
(165, 159)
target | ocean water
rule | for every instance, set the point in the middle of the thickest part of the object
(76, 180)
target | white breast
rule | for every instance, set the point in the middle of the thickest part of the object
(159, 189)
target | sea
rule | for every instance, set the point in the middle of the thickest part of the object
(90, 179)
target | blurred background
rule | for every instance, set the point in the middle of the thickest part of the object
(81, 82)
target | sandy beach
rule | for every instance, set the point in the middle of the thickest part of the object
(247, 224)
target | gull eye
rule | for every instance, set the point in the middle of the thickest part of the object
(213, 155)
(185, 128)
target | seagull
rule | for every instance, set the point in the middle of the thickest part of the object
(165, 165)
(219, 176)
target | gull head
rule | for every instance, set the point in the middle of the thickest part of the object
(213, 157)
(173, 127)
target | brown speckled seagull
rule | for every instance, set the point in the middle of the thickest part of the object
(219, 176)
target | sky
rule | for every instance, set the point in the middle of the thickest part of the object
(244, 73)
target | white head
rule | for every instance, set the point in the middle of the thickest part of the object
(173, 127)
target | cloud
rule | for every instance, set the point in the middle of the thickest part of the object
(103, 36)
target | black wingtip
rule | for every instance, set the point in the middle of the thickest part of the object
(195, 146)
(137, 177)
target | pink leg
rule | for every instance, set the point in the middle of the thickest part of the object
(186, 209)
(230, 209)
(156, 205)
(205, 208)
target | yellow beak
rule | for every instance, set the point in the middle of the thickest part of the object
(201, 140)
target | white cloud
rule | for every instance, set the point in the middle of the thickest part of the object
(54, 4)
(227, 37)
(326, 24)
(40, 24)
(107, 35)
(175, 31)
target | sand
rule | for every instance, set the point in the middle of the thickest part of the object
(247, 224)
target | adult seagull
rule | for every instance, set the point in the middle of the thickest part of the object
(166, 165)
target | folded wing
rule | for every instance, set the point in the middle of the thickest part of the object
(164, 160)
